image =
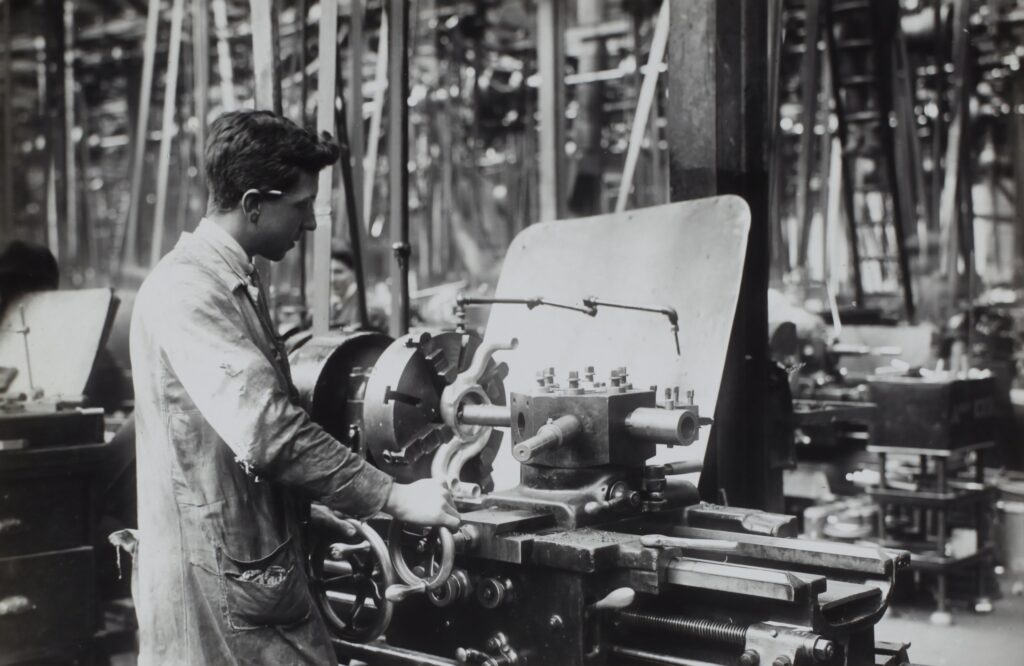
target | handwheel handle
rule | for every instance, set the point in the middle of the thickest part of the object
(396, 593)
(431, 582)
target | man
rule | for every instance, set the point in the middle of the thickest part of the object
(227, 460)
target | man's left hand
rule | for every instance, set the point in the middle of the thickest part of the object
(324, 520)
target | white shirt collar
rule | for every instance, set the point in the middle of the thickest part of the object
(226, 245)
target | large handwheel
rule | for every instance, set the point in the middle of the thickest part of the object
(434, 550)
(349, 579)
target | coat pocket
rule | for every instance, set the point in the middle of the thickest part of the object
(267, 592)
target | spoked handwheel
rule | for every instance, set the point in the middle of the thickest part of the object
(423, 557)
(349, 578)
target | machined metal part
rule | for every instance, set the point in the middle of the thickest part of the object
(496, 416)
(330, 373)
(402, 411)
(664, 426)
(554, 433)
(783, 644)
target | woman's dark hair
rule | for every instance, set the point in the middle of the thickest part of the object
(261, 150)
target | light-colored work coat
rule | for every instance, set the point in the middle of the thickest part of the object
(227, 464)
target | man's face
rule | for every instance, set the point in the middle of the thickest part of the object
(341, 277)
(284, 218)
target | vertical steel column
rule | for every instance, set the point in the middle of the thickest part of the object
(718, 72)
(551, 63)
(327, 82)
(224, 68)
(166, 132)
(201, 69)
(847, 183)
(70, 164)
(266, 76)
(356, 142)
(7, 174)
(887, 15)
(131, 249)
(1017, 132)
(398, 161)
(809, 79)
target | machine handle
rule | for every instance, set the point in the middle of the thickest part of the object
(551, 434)
(614, 600)
(15, 605)
(8, 525)
(396, 593)
(662, 541)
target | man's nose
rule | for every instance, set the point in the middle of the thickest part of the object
(309, 224)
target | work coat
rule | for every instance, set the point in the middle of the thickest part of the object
(227, 462)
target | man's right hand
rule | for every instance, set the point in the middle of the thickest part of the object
(425, 502)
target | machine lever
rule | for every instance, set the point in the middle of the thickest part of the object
(551, 434)
(396, 593)
(615, 600)
(662, 541)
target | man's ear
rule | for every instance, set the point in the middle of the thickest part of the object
(251, 201)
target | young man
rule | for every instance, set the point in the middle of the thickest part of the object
(227, 459)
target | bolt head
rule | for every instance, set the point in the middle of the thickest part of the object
(555, 622)
(749, 658)
(782, 661)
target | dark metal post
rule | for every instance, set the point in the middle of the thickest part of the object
(551, 99)
(718, 72)
(398, 160)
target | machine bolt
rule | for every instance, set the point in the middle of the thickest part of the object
(589, 374)
(689, 395)
(574, 379)
(824, 650)
(555, 622)
(749, 658)
(782, 661)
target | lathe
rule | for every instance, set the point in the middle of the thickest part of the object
(596, 557)
(602, 552)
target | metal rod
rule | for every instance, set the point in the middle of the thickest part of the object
(384, 653)
(355, 230)
(7, 221)
(550, 56)
(376, 118)
(398, 160)
(266, 78)
(224, 68)
(694, 627)
(70, 164)
(644, 105)
(356, 141)
(549, 435)
(302, 36)
(167, 132)
(486, 415)
(327, 80)
(656, 657)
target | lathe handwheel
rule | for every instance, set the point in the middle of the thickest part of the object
(437, 566)
(343, 584)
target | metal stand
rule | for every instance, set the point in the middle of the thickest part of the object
(918, 519)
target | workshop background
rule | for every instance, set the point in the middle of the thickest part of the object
(855, 329)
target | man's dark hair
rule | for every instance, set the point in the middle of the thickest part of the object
(261, 150)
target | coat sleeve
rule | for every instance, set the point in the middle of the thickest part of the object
(201, 334)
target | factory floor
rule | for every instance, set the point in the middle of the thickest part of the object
(974, 639)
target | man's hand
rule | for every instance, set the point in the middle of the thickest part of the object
(326, 521)
(424, 502)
